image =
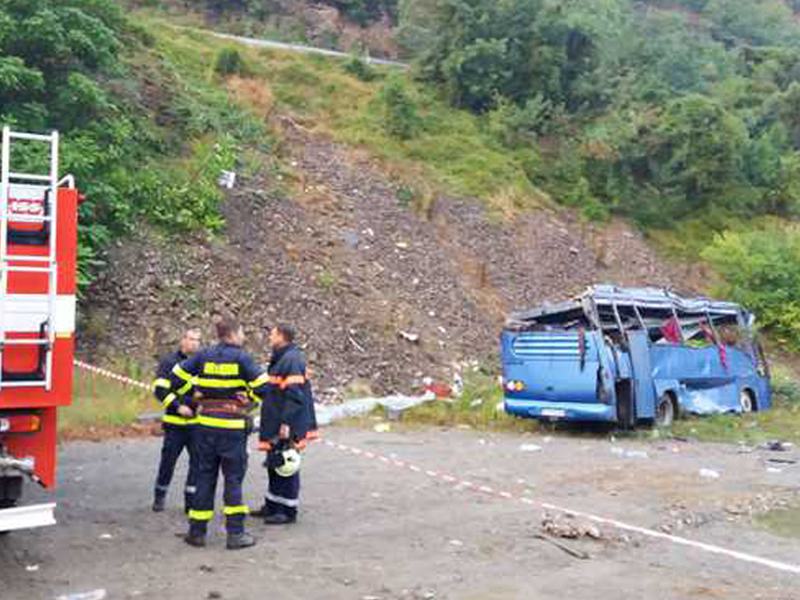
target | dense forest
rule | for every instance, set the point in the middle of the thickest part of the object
(681, 115)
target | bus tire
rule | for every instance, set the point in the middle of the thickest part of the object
(665, 412)
(747, 401)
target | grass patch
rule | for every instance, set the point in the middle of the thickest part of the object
(451, 148)
(100, 404)
(784, 522)
(781, 422)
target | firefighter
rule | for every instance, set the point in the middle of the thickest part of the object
(287, 422)
(178, 424)
(227, 385)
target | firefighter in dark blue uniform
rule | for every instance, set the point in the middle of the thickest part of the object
(178, 424)
(288, 420)
(226, 385)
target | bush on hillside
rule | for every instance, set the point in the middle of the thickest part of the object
(400, 118)
(229, 62)
(762, 272)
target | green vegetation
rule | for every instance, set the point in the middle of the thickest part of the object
(102, 405)
(782, 422)
(784, 522)
(666, 112)
(144, 136)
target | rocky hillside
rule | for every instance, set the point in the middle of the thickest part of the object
(381, 294)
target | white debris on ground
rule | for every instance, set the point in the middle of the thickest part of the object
(327, 414)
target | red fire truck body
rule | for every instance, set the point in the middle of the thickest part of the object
(38, 253)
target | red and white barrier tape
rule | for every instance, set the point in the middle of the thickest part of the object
(110, 375)
(462, 484)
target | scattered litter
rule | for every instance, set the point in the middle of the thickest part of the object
(106, 536)
(457, 543)
(475, 403)
(529, 448)
(777, 446)
(351, 239)
(326, 414)
(561, 546)
(382, 427)
(774, 470)
(458, 385)
(567, 526)
(375, 495)
(410, 337)
(628, 453)
(500, 406)
(214, 595)
(207, 568)
(782, 461)
(547, 439)
(402, 245)
(370, 598)
(93, 595)
(32, 568)
(709, 473)
(227, 179)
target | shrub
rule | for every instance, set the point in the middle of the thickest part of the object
(229, 62)
(400, 118)
(761, 270)
(360, 69)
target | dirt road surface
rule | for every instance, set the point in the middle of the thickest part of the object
(371, 529)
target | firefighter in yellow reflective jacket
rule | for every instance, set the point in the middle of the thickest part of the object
(178, 424)
(225, 385)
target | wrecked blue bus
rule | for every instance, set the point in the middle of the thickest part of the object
(630, 356)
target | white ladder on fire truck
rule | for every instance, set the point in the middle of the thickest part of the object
(48, 184)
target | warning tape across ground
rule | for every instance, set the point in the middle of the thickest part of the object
(505, 495)
(463, 484)
(111, 375)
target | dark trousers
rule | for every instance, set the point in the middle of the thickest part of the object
(176, 438)
(219, 450)
(283, 493)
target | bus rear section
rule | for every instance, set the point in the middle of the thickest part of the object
(557, 375)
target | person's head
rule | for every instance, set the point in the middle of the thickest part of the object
(190, 341)
(280, 336)
(229, 330)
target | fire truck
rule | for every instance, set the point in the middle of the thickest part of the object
(38, 243)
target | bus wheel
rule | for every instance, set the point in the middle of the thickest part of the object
(746, 401)
(665, 412)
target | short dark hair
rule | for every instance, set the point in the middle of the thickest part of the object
(226, 325)
(287, 333)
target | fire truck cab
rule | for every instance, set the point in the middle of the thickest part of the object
(38, 252)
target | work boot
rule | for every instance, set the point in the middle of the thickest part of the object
(237, 541)
(159, 503)
(198, 541)
(263, 511)
(279, 518)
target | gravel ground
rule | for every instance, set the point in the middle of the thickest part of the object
(372, 530)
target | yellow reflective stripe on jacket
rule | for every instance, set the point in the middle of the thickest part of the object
(236, 510)
(221, 423)
(212, 368)
(219, 383)
(184, 389)
(201, 515)
(169, 400)
(180, 372)
(175, 420)
(161, 382)
(260, 380)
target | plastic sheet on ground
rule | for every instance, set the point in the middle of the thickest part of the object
(327, 414)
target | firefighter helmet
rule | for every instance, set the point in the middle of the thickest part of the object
(290, 463)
